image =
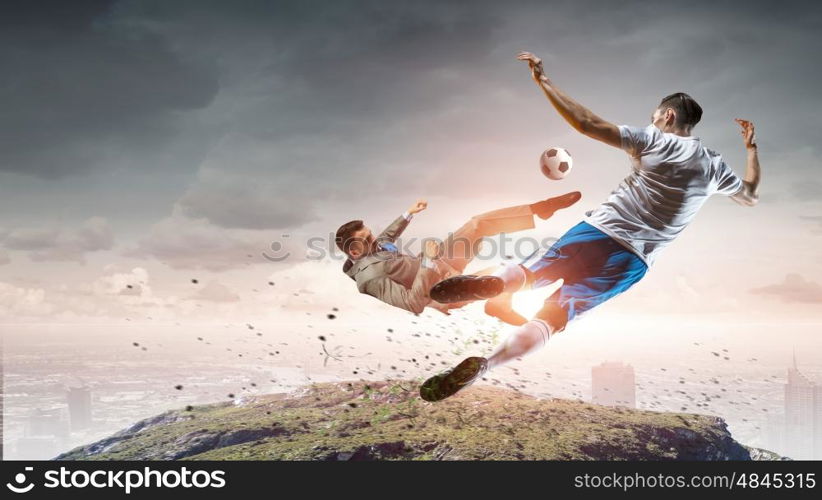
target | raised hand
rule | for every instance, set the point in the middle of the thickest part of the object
(535, 63)
(418, 206)
(747, 131)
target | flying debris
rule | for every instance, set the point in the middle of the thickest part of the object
(331, 355)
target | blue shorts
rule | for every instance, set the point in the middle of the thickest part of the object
(594, 267)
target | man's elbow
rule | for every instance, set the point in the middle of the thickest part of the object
(751, 195)
(747, 200)
(600, 130)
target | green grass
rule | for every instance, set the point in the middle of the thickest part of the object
(387, 420)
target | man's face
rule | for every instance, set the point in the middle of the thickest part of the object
(363, 242)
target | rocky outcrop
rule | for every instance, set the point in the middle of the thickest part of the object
(387, 421)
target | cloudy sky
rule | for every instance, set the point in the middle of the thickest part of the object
(146, 144)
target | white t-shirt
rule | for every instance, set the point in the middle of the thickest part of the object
(672, 176)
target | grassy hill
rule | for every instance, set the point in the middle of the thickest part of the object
(388, 421)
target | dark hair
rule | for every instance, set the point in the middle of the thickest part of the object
(688, 112)
(343, 238)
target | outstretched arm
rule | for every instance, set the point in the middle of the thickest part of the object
(749, 194)
(396, 228)
(577, 115)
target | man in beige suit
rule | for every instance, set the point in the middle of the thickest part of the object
(381, 270)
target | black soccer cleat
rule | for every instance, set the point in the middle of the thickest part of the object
(452, 381)
(466, 287)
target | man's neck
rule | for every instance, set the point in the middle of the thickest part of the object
(678, 131)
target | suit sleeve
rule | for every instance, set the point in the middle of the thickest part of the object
(414, 299)
(394, 231)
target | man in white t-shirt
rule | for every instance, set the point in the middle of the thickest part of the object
(672, 176)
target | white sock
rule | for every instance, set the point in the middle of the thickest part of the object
(513, 275)
(525, 339)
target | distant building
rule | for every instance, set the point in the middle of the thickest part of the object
(613, 384)
(798, 433)
(37, 447)
(45, 433)
(48, 422)
(79, 406)
(775, 433)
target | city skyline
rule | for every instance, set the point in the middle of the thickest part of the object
(797, 432)
(130, 383)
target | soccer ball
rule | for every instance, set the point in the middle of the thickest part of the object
(555, 163)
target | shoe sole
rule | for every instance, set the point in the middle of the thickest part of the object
(461, 289)
(442, 386)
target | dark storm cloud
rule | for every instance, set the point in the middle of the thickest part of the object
(78, 92)
(297, 107)
(61, 244)
(183, 243)
(332, 100)
(326, 101)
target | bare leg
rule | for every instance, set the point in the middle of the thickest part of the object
(461, 247)
(500, 307)
(525, 339)
(531, 336)
(516, 278)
